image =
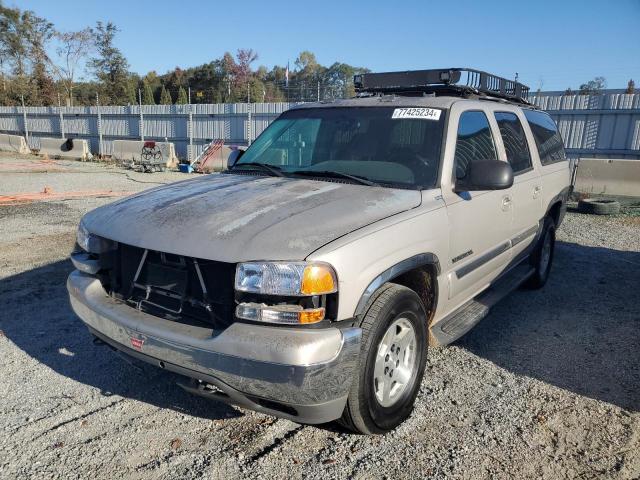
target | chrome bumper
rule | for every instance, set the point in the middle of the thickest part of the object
(301, 374)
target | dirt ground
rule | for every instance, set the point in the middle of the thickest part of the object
(547, 386)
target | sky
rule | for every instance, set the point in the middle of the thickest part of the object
(552, 45)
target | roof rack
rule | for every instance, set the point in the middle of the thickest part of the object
(448, 81)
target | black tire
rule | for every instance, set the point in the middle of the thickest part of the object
(599, 206)
(363, 412)
(538, 259)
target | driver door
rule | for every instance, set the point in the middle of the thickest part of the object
(479, 222)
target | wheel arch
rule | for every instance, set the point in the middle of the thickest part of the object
(418, 273)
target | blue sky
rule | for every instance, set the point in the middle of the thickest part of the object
(552, 44)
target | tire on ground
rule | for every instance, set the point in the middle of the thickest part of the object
(363, 413)
(599, 206)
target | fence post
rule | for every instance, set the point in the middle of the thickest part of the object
(24, 119)
(141, 116)
(62, 133)
(249, 129)
(99, 126)
(190, 128)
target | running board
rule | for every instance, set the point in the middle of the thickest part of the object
(460, 321)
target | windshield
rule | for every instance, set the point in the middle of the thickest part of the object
(397, 147)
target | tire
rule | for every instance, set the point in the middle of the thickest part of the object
(599, 206)
(542, 257)
(398, 310)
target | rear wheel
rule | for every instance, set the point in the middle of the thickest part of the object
(392, 362)
(542, 257)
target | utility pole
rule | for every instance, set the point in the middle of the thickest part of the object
(189, 95)
(141, 115)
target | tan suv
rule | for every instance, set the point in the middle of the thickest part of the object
(308, 280)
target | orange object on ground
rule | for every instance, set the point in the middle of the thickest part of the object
(48, 194)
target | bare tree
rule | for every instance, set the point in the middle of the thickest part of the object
(73, 49)
(593, 87)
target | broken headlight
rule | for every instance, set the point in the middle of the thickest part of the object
(92, 243)
(310, 282)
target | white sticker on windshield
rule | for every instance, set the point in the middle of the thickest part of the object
(417, 112)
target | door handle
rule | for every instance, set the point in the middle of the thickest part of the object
(536, 191)
(506, 202)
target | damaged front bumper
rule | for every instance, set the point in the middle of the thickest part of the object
(300, 374)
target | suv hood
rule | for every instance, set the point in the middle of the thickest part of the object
(234, 218)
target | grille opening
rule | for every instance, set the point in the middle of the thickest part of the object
(174, 287)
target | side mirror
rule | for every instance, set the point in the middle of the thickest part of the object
(234, 156)
(486, 175)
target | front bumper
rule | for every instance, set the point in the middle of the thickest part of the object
(300, 374)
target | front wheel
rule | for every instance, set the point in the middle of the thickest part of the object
(392, 362)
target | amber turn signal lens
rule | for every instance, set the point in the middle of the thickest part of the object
(311, 316)
(318, 280)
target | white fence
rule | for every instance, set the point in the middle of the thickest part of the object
(184, 125)
(606, 126)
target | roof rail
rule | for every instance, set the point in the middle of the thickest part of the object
(447, 81)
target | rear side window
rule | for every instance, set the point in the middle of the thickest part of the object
(474, 142)
(515, 142)
(548, 140)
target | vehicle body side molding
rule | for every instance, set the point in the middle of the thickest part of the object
(404, 266)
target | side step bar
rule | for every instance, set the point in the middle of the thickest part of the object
(460, 321)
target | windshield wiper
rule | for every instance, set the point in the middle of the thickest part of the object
(329, 173)
(272, 169)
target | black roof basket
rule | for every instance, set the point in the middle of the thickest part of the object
(448, 81)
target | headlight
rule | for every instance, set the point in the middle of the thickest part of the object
(286, 278)
(92, 243)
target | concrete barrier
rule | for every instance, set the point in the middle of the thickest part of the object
(131, 151)
(65, 148)
(13, 143)
(608, 176)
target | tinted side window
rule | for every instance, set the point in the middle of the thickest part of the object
(515, 142)
(474, 142)
(547, 138)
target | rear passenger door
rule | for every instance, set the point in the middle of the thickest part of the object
(526, 192)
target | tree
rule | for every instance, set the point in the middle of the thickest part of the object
(110, 66)
(245, 58)
(165, 97)
(631, 86)
(593, 87)
(147, 94)
(182, 97)
(24, 38)
(307, 65)
(73, 48)
(568, 91)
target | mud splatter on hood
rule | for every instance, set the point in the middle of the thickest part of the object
(239, 217)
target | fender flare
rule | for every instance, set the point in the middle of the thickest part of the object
(399, 268)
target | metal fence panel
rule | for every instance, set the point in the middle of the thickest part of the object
(598, 125)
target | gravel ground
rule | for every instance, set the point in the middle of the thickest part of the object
(547, 386)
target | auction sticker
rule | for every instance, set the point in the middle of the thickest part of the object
(417, 112)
